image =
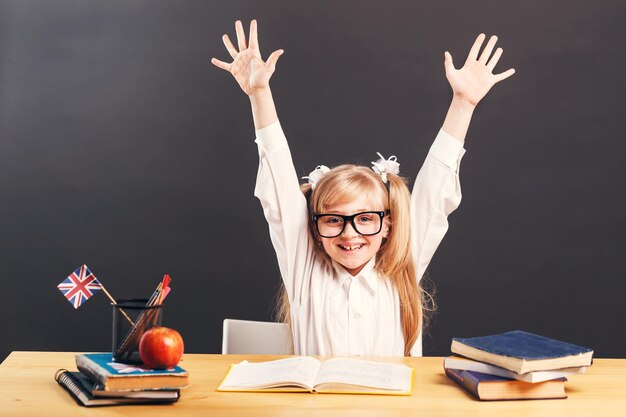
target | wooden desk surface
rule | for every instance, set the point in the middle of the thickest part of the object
(28, 388)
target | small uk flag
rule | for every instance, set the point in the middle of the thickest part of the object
(79, 286)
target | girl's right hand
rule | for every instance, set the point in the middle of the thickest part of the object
(252, 74)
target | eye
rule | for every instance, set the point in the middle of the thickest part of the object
(365, 218)
(332, 220)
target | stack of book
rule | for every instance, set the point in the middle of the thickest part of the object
(515, 365)
(101, 381)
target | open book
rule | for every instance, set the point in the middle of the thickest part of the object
(307, 374)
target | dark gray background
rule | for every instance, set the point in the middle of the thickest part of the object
(122, 147)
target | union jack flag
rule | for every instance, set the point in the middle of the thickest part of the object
(124, 368)
(79, 286)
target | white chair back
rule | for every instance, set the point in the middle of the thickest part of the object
(256, 337)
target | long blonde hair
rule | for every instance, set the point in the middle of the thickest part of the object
(393, 260)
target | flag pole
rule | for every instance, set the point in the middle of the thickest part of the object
(115, 304)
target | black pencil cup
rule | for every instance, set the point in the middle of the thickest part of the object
(131, 318)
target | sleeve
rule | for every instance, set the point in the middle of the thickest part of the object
(285, 209)
(436, 194)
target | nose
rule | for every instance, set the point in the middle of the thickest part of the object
(349, 230)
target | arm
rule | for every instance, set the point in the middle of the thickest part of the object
(277, 187)
(470, 84)
(252, 74)
(437, 190)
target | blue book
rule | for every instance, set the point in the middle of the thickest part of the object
(491, 387)
(522, 352)
(114, 376)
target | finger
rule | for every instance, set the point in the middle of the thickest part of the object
(494, 59)
(447, 62)
(504, 75)
(221, 64)
(229, 46)
(273, 58)
(241, 36)
(473, 53)
(488, 49)
(254, 39)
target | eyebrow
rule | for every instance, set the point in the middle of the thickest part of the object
(361, 210)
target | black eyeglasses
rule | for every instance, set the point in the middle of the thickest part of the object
(366, 223)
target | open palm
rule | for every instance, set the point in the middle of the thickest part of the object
(472, 82)
(249, 70)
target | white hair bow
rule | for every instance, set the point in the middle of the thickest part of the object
(316, 175)
(386, 166)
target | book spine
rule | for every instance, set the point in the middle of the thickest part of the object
(72, 385)
(463, 379)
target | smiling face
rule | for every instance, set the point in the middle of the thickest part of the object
(351, 249)
(347, 190)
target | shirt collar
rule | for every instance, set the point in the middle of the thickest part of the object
(368, 275)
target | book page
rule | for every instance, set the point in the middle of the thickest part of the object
(298, 371)
(358, 372)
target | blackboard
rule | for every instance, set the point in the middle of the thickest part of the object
(123, 148)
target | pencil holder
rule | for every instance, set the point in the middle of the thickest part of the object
(131, 318)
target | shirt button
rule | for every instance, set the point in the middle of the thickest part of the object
(357, 315)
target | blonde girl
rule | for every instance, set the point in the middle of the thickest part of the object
(353, 244)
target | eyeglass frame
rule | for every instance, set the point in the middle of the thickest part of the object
(350, 219)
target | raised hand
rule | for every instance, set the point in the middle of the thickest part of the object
(472, 82)
(247, 67)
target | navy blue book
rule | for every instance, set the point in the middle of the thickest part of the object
(522, 352)
(491, 387)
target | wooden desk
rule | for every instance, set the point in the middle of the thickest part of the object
(27, 388)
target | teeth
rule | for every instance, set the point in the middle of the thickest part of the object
(353, 247)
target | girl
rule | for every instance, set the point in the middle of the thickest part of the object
(353, 245)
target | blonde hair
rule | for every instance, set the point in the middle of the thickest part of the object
(345, 183)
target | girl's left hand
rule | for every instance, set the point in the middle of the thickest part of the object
(472, 82)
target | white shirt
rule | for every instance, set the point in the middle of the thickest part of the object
(332, 312)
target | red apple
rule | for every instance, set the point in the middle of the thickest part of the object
(161, 348)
